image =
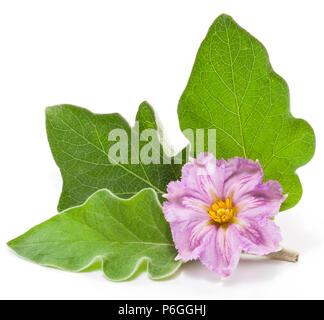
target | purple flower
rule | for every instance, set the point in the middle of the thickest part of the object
(221, 208)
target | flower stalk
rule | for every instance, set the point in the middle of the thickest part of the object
(284, 255)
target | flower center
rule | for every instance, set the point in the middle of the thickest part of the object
(222, 211)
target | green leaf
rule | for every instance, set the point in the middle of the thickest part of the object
(233, 89)
(79, 144)
(121, 233)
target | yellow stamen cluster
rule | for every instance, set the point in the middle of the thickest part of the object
(222, 211)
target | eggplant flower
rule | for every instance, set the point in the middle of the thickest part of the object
(221, 208)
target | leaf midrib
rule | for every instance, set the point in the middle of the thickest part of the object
(234, 91)
(89, 241)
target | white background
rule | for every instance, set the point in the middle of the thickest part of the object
(109, 56)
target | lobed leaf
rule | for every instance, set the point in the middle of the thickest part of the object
(120, 233)
(79, 142)
(233, 89)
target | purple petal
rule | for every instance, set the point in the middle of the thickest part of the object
(205, 176)
(242, 176)
(182, 204)
(263, 202)
(188, 220)
(222, 249)
(187, 233)
(259, 237)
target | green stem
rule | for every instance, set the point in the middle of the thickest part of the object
(284, 255)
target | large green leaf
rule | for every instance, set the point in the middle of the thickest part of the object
(121, 233)
(79, 143)
(233, 89)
